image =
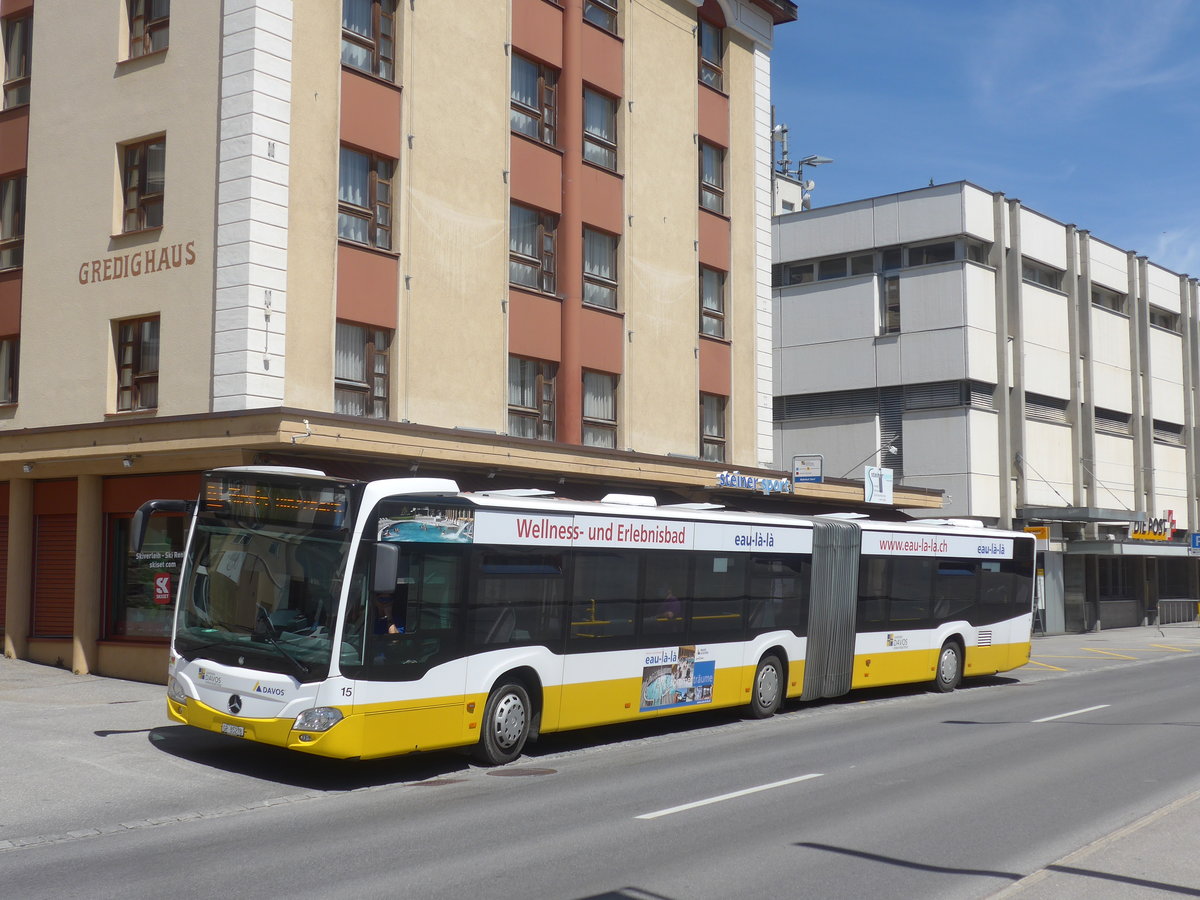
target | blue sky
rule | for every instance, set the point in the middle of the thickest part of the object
(1087, 111)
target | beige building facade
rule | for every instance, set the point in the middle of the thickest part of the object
(521, 243)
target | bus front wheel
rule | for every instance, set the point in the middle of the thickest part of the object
(506, 719)
(949, 667)
(767, 692)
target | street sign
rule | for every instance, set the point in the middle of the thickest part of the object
(808, 468)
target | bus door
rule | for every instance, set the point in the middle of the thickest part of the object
(829, 659)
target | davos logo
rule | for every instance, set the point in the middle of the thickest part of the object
(260, 688)
(208, 677)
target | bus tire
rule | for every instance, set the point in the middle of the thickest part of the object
(766, 695)
(506, 721)
(949, 671)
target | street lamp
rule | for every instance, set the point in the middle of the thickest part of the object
(890, 449)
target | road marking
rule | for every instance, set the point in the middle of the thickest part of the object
(1078, 712)
(1034, 662)
(754, 790)
(1166, 648)
(1108, 653)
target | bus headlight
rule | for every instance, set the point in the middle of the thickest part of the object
(319, 718)
(175, 691)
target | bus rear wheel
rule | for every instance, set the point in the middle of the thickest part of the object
(767, 692)
(506, 721)
(949, 668)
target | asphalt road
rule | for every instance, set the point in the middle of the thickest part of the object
(896, 793)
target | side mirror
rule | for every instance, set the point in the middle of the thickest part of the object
(387, 568)
(141, 518)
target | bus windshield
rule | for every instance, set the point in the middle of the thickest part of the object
(260, 584)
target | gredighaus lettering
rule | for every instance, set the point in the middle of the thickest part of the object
(142, 262)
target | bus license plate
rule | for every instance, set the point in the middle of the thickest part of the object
(233, 730)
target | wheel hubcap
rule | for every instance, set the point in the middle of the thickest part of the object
(768, 687)
(509, 721)
(949, 665)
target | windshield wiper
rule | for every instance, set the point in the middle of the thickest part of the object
(268, 633)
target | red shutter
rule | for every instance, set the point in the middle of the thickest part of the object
(54, 576)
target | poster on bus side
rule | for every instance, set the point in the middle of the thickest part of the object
(675, 677)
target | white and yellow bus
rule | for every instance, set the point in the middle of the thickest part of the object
(366, 619)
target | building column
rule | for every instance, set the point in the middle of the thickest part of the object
(1086, 374)
(569, 384)
(1002, 398)
(89, 573)
(19, 584)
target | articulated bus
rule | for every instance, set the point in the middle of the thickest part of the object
(358, 619)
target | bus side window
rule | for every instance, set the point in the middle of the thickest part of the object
(954, 590)
(517, 598)
(872, 593)
(663, 601)
(998, 592)
(779, 591)
(911, 582)
(603, 595)
(718, 593)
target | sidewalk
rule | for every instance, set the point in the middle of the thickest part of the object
(1130, 862)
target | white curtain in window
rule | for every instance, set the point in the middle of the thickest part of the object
(7, 353)
(712, 162)
(10, 203)
(149, 349)
(599, 396)
(522, 228)
(356, 16)
(710, 287)
(713, 417)
(353, 178)
(599, 254)
(16, 40)
(598, 118)
(349, 356)
(522, 379)
(156, 156)
(524, 82)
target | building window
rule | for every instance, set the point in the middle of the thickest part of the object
(931, 253)
(711, 43)
(890, 302)
(1161, 318)
(712, 427)
(531, 248)
(18, 47)
(531, 398)
(712, 177)
(144, 180)
(712, 302)
(140, 604)
(599, 410)
(1106, 299)
(149, 26)
(10, 353)
(365, 199)
(602, 13)
(599, 268)
(360, 371)
(137, 364)
(369, 37)
(600, 129)
(534, 100)
(1043, 275)
(12, 221)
